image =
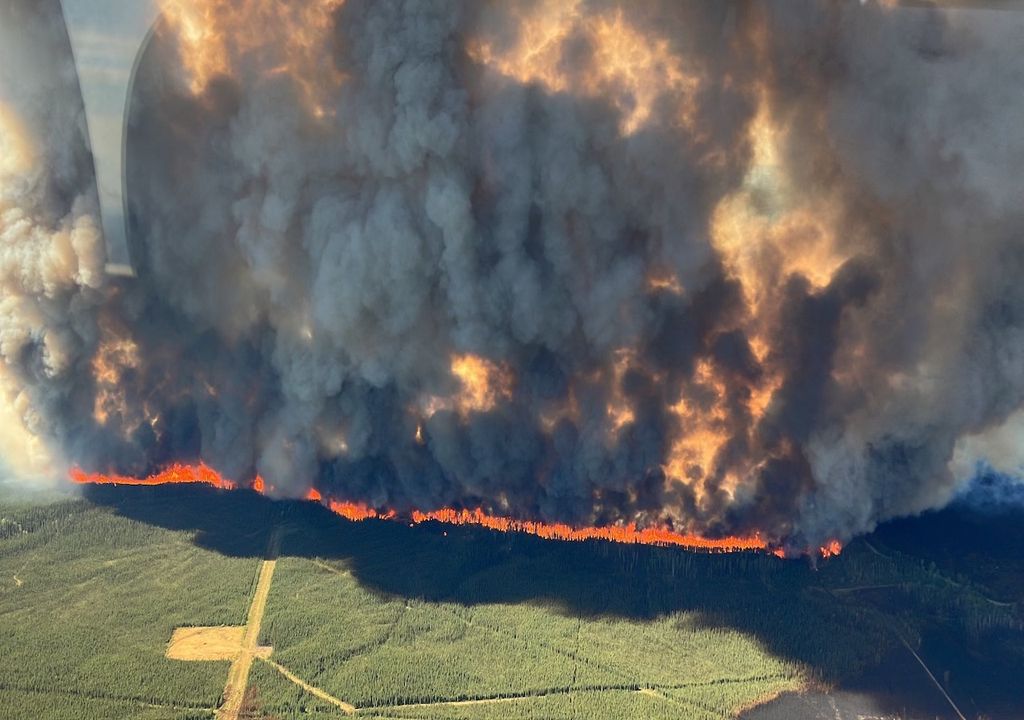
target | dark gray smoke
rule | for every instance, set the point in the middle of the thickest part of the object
(757, 273)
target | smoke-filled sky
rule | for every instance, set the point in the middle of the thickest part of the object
(732, 267)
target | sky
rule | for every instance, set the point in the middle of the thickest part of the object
(106, 35)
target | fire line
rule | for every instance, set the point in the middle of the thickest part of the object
(631, 534)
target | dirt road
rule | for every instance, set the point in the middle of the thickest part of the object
(345, 707)
(238, 675)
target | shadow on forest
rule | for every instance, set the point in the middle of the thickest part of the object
(786, 605)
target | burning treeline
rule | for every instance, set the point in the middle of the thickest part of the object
(717, 270)
(203, 474)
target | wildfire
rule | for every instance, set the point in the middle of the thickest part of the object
(769, 222)
(357, 512)
(176, 474)
(283, 38)
(831, 549)
(629, 534)
(626, 65)
(113, 358)
(482, 384)
(619, 411)
(702, 433)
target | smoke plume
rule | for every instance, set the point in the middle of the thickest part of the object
(730, 267)
(51, 248)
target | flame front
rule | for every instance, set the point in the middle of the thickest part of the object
(177, 474)
(631, 534)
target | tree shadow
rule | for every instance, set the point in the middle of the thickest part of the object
(851, 643)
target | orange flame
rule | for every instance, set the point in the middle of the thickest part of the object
(629, 534)
(482, 384)
(173, 475)
(357, 512)
(113, 358)
(833, 548)
(627, 66)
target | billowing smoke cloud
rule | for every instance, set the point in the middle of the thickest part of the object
(732, 267)
(51, 248)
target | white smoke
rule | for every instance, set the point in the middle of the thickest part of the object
(51, 247)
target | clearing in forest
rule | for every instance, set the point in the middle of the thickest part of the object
(205, 643)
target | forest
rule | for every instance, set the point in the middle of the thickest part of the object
(434, 621)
